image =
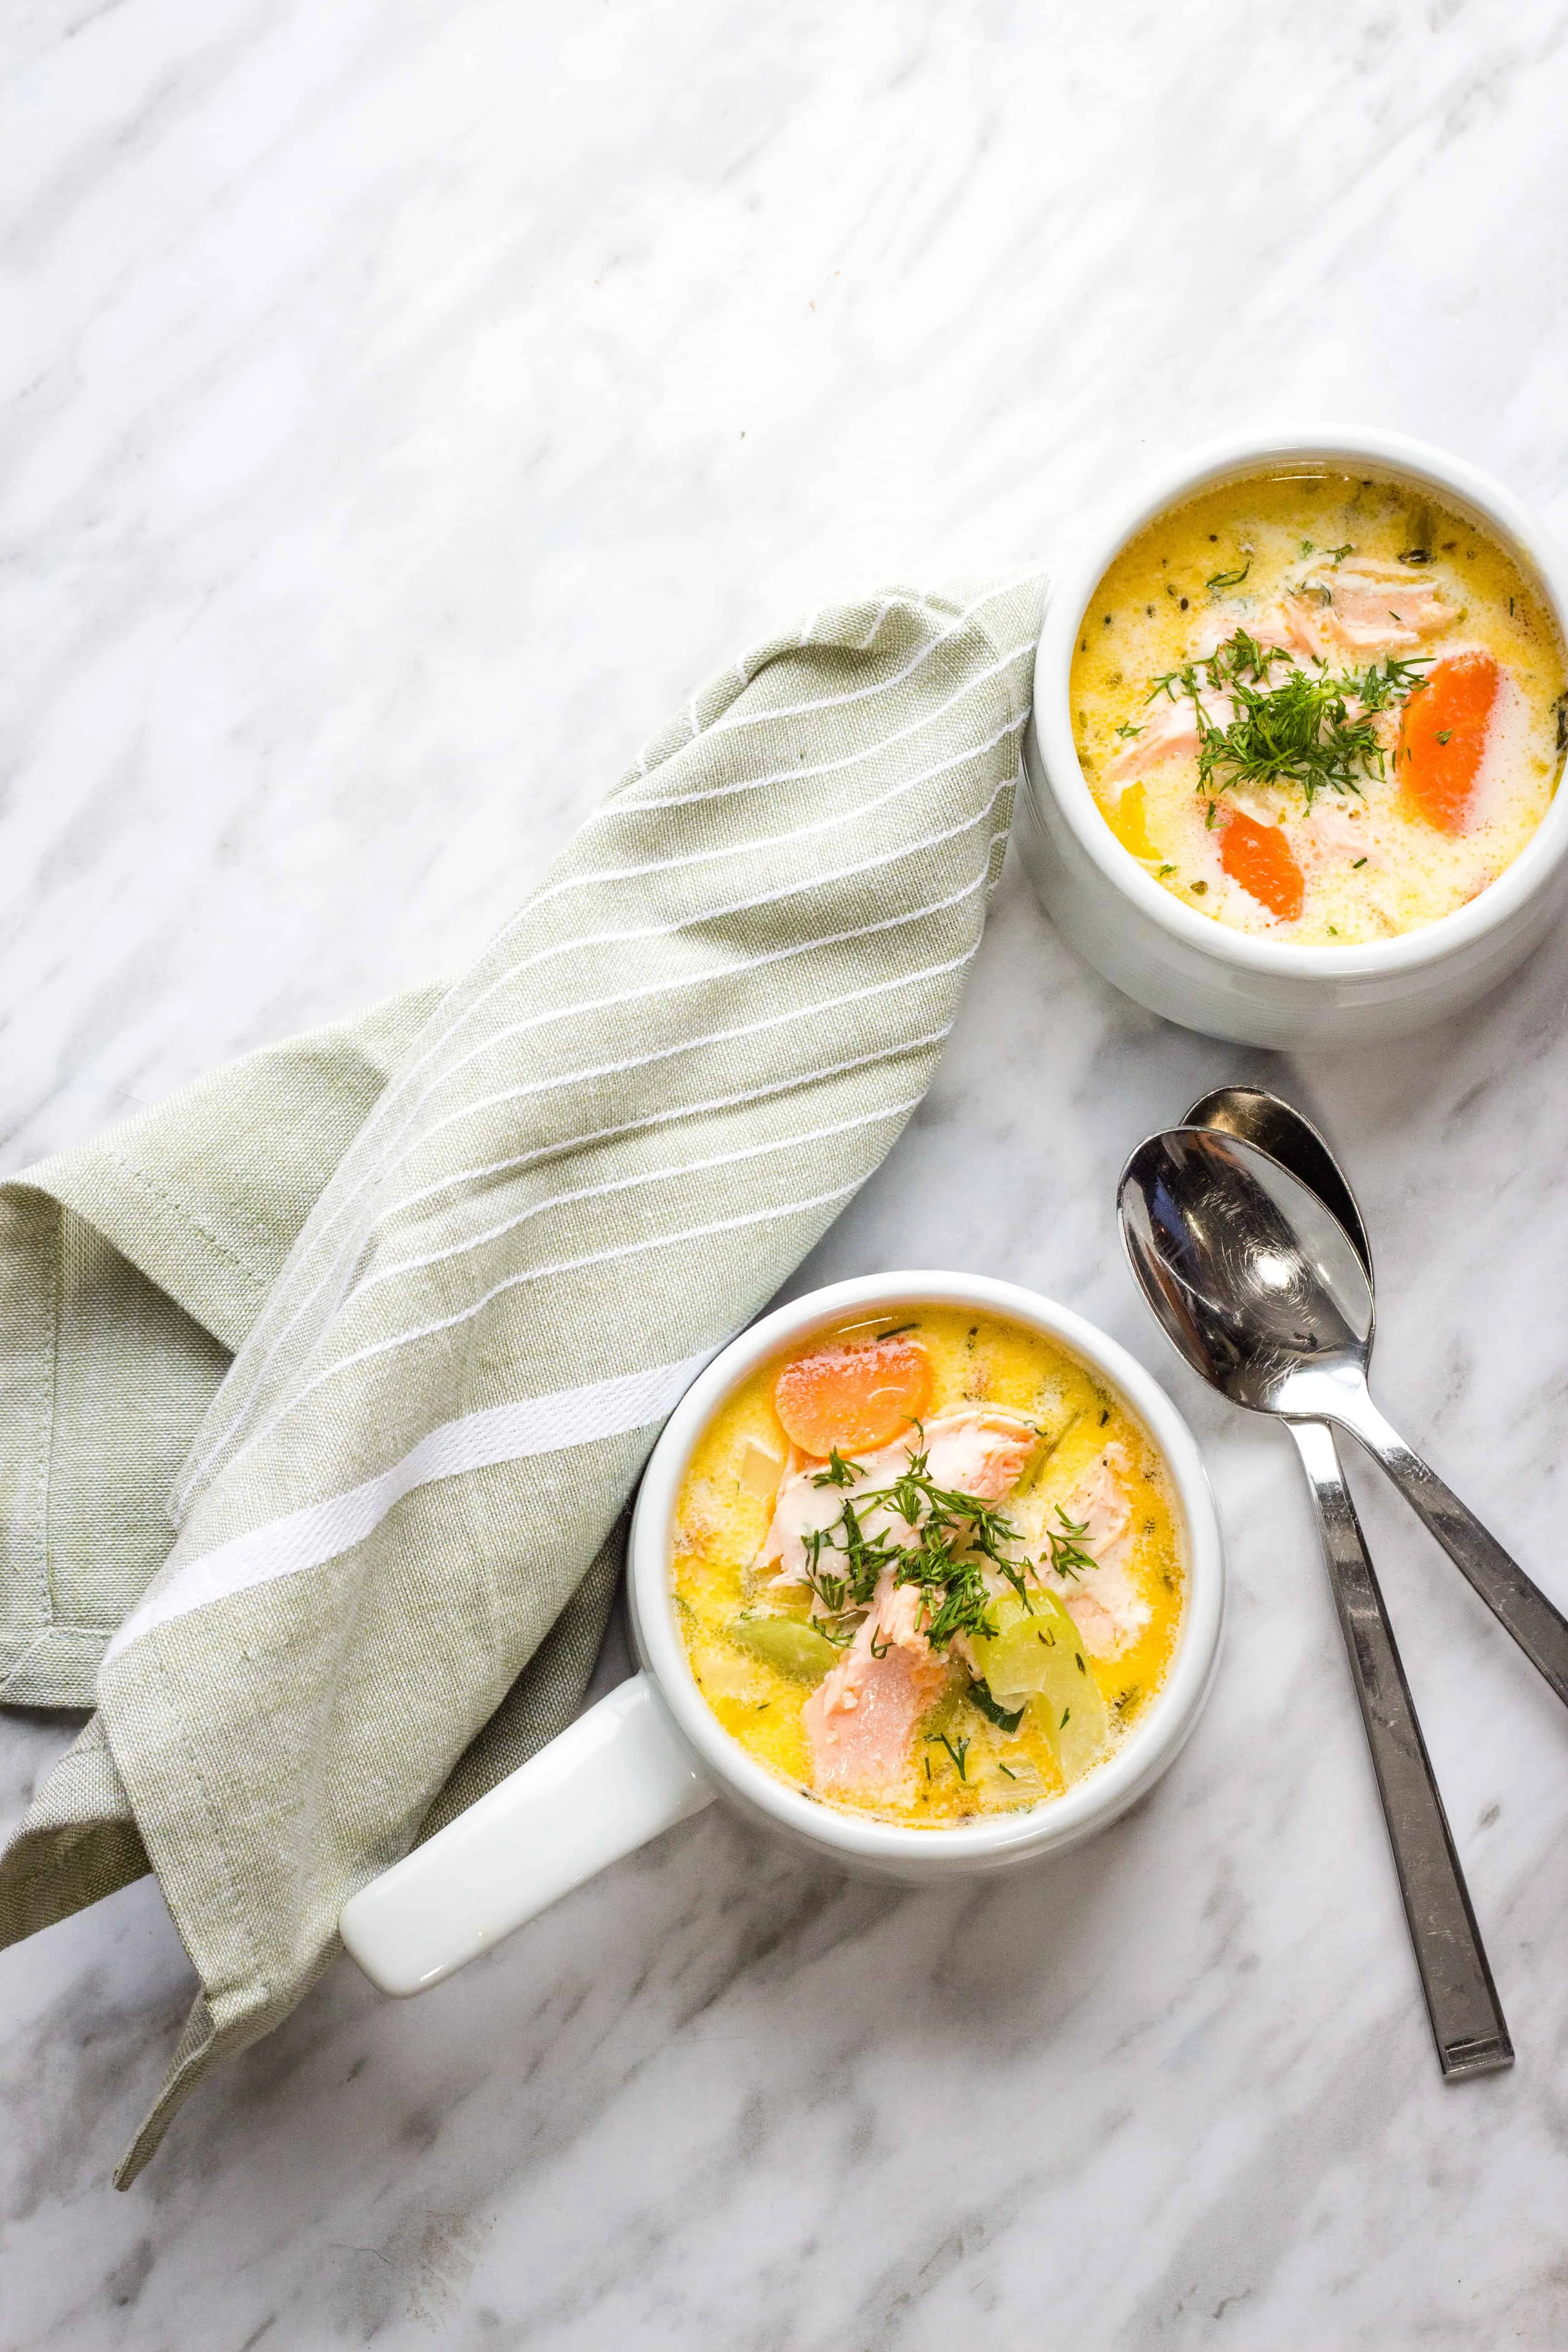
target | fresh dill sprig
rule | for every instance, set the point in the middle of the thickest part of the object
(1228, 579)
(1068, 1556)
(953, 1535)
(1014, 1577)
(1301, 729)
(838, 1472)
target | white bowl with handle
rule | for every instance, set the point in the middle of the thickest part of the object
(653, 1752)
(1185, 965)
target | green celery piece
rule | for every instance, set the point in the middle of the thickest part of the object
(1038, 1655)
(784, 1643)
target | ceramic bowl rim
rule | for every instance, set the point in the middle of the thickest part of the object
(1057, 768)
(1147, 1749)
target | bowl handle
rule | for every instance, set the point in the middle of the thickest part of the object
(617, 1777)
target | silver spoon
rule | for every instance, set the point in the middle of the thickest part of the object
(1261, 1290)
(1280, 1129)
(1319, 1371)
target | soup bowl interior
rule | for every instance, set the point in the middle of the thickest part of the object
(1280, 973)
(885, 1848)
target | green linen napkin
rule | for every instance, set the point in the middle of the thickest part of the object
(465, 1254)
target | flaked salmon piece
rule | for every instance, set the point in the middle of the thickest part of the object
(1104, 1603)
(1169, 727)
(1099, 1505)
(862, 1717)
(978, 1449)
(1102, 1635)
(1359, 608)
(1332, 835)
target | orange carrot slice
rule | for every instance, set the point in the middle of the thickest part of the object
(1259, 857)
(853, 1396)
(1442, 736)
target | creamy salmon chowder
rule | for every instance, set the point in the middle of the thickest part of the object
(1319, 707)
(927, 1567)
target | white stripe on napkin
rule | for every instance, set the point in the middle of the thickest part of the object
(321, 1531)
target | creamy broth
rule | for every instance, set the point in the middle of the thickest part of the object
(1412, 672)
(985, 1690)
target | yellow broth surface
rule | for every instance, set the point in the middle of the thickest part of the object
(1372, 865)
(724, 1511)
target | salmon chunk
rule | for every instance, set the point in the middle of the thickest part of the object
(1361, 609)
(1104, 1602)
(1167, 727)
(979, 1450)
(862, 1718)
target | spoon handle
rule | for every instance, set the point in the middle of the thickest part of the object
(1539, 1628)
(1467, 2022)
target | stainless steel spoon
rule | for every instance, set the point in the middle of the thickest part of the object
(1285, 1296)
(1277, 1128)
(1219, 1255)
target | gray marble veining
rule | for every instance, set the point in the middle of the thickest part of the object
(404, 405)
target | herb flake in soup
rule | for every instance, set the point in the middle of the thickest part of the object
(1319, 707)
(927, 1567)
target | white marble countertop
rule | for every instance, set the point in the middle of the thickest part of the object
(405, 405)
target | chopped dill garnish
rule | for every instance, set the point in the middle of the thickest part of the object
(1014, 1577)
(1067, 1555)
(1127, 731)
(1228, 579)
(952, 1536)
(1337, 555)
(1062, 1726)
(898, 1330)
(1355, 862)
(1164, 870)
(838, 1472)
(1300, 729)
(957, 1753)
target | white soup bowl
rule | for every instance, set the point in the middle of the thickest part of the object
(1185, 965)
(654, 1752)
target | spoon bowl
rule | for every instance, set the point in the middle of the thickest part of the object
(1251, 1275)
(1277, 1128)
